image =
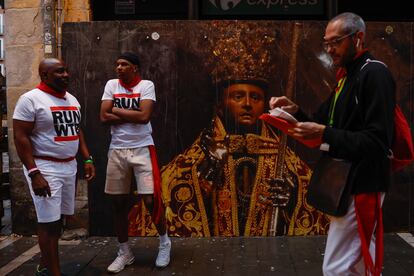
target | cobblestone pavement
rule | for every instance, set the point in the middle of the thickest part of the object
(199, 256)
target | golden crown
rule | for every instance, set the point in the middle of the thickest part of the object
(240, 50)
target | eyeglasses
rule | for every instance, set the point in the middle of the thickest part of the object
(334, 43)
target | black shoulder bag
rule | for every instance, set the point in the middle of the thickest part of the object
(329, 189)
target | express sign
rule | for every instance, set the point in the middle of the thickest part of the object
(263, 7)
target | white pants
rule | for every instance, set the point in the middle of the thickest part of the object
(343, 256)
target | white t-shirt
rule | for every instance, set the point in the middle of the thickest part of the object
(56, 123)
(129, 135)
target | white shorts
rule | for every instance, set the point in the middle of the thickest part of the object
(62, 188)
(121, 164)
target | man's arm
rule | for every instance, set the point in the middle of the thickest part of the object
(106, 114)
(84, 151)
(22, 131)
(141, 116)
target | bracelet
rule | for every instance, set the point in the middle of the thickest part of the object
(33, 172)
(89, 160)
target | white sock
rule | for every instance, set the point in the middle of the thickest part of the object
(124, 248)
(164, 238)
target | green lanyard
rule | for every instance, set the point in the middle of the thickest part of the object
(338, 91)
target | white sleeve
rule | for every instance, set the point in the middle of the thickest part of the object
(25, 109)
(148, 92)
(108, 91)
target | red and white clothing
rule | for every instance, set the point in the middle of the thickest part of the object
(129, 135)
(56, 128)
(132, 147)
(343, 254)
(55, 135)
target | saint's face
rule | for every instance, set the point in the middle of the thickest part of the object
(243, 103)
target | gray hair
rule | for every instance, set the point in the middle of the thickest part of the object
(352, 22)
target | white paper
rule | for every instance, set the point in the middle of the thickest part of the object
(280, 113)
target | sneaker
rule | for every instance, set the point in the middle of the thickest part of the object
(120, 262)
(163, 258)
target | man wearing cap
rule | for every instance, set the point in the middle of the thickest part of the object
(47, 135)
(127, 105)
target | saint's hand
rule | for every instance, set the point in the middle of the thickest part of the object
(279, 192)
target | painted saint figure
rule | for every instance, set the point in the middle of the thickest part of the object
(236, 179)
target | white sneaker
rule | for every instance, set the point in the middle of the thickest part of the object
(120, 262)
(163, 258)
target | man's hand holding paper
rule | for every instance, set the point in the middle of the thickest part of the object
(280, 113)
(281, 117)
(284, 103)
(307, 131)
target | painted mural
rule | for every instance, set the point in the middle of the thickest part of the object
(239, 177)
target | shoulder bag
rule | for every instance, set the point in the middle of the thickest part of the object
(329, 189)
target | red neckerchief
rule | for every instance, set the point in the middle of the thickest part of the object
(45, 88)
(128, 86)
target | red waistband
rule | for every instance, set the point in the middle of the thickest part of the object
(54, 159)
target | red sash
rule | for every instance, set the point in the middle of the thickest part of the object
(158, 205)
(369, 214)
(54, 159)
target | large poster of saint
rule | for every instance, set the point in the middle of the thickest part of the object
(239, 177)
(224, 171)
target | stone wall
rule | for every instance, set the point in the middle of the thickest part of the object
(24, 47)
(24, 51)
(77, 11)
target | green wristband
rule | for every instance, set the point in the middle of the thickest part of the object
(89, 160)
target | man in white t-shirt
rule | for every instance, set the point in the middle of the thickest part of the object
(47, 135)
(127, 105)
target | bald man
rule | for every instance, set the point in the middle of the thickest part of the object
(47, 135)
